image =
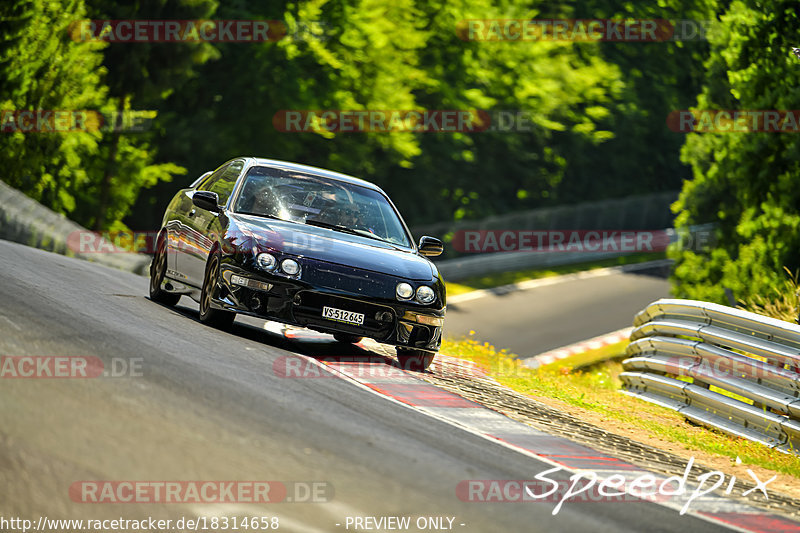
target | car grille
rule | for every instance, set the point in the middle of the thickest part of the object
(309, 312)
(335, 277)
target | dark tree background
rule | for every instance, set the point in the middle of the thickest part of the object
(597, 113)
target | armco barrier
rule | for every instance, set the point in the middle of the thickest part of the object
(644, 212)
(720, 367)
(482, 264)
(26, 221)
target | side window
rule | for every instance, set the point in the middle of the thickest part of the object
(223, 180)
(209, 181)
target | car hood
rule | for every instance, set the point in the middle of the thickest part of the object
(334, 247)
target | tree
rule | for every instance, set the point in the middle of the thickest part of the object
(42, 69)
(745, 183)
(402, 55)
(141, 76)
(658, 77)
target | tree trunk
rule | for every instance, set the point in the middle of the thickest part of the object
(110, 168)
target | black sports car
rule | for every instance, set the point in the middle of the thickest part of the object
(302, 246)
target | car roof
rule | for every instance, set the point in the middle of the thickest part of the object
(260, 161)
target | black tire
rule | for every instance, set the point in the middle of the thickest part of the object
(347, 338)
(216, 318)
(158, 269)
(411, 359)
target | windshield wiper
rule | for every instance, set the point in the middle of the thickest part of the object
(344, 229)
(258, 215)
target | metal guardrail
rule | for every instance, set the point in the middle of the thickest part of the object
(482, 264)
(28, 222)
(644, 211)
(720, 367)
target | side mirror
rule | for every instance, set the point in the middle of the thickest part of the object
(206, 200)
(430, 246)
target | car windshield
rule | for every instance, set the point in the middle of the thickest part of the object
(319, 201)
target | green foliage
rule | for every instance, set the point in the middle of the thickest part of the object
(95, 174)
(597, 113)
(656, 78)
(562, 87)
(140, 76)
(41, 68)
(402, 55)
(745, 183)
(782, 302)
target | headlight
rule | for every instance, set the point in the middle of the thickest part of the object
(404, 291)
(290, 267)
(425, 294)
(266, 261)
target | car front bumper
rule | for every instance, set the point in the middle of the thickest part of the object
(293, 301)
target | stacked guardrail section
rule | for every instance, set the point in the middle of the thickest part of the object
(720, 367)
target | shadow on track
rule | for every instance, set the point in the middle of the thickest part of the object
(316, 344)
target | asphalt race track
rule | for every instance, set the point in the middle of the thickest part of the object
(206, 405)
(532, 321)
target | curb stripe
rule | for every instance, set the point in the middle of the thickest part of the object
(559, 354)
(571, 456)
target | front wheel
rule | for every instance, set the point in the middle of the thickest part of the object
(158, 269)
(411, 359)
(216, 318)
(347, 338)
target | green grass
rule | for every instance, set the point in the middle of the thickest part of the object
(588, 358)
(499, 279)
(596, 389)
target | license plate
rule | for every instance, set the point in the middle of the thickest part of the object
(340, 315)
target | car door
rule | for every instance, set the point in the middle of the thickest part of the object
(202, 227)
(181, 233)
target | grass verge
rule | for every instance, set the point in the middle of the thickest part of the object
(589, 358)
(595, 390)
(499, 279)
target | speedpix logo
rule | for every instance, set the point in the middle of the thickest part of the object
(588, 486)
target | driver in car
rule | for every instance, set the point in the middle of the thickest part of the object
(349, 216)
(265, 202)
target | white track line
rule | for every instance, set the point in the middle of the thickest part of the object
(558, 354)
(554, 280)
